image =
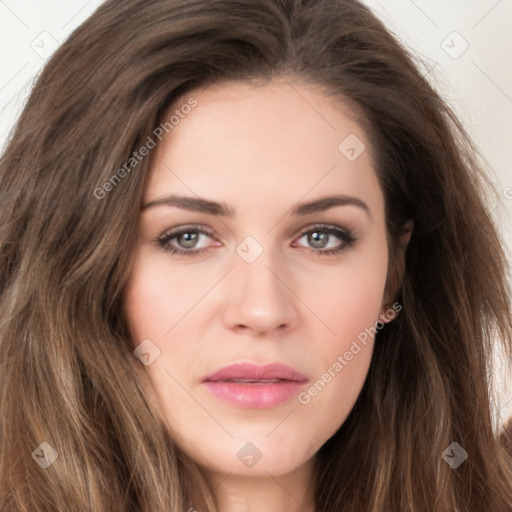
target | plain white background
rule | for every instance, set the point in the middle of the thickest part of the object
(465, 49)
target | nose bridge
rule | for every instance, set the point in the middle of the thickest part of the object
(258, 297)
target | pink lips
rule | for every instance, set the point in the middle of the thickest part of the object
(252, 386)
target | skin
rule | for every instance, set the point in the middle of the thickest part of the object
(259, 148)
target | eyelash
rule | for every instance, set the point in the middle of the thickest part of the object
(346, 236)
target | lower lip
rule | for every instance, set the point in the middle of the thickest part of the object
(254, 396)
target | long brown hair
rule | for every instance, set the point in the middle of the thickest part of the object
(69, 377)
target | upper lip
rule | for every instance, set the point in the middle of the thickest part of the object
(253, 372)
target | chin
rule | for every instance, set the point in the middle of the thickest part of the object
(252, 458)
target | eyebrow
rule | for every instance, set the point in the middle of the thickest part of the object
(202, 205)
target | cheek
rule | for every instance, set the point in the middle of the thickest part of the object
(346, 305)
(157, 299)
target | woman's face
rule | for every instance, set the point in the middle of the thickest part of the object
(287, 278)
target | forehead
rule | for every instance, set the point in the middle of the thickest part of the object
(261, 144)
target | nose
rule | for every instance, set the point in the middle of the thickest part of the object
(259, 299)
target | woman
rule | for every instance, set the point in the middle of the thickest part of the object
(246, 265)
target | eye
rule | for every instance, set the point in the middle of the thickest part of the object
(187, 238)
(320, 236)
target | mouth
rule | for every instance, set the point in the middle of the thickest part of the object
(252, 386)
